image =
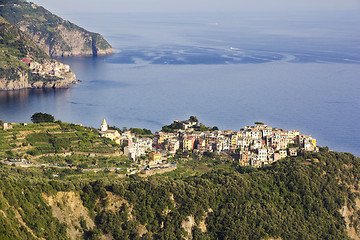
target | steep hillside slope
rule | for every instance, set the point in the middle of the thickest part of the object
(25, 65)
(51, 33)
(313, 196)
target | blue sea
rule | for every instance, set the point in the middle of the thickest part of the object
(292, 71)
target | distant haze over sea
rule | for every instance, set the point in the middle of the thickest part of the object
(230, 70)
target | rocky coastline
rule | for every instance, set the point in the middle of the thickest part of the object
(31, 37)
(60, 74)
(8, 85)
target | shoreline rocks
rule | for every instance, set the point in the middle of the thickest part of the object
(68, 81)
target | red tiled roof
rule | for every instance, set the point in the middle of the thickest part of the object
(26, 60)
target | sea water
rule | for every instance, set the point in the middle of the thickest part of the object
(298, 71)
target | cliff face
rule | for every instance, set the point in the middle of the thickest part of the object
(22, 82)
(30, 35)
(52, 34)
(24, 65)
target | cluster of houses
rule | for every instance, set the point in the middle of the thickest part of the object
(254, 145)
(135, 147)
(51, 68)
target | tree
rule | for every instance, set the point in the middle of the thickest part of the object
(324, 149)
(116, 128)
(293, 145)
(9, 154)
(139, 131)
(193, 119)
(42, 117)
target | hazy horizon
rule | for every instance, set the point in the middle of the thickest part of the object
(68, 6)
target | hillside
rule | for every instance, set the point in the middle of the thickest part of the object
(51, 33)
(60, 144)
(25, 65)
(311, 196)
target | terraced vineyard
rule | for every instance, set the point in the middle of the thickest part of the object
(59, 143)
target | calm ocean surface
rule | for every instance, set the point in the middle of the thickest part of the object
(289, 71)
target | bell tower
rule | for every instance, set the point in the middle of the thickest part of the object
(104, 126)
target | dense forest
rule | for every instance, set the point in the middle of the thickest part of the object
(312, 196)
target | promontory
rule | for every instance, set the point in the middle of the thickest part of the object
(30, 36)
(52, 34)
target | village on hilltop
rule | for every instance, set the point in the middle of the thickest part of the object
(255, 145)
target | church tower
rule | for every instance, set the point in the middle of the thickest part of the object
(104, 126)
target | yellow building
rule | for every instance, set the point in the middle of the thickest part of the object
(313, 141)
(244, 159)
(117, 140)
(154, 158)
(234, 139)
(188, 144)
(162, 137)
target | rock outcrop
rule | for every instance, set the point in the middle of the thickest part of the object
(23, 83)
(20, 83)
(52, 34)
(70, 41)
(24, 65)
(68, 208)
(30, 35)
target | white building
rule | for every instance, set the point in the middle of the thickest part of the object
(262, 154)
(104, 126)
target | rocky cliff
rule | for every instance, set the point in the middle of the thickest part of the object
(24, 65)
(51, 33)
(22, 82)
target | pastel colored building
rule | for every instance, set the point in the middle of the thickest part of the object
(154, 158)
(283, 154)
(188, 143)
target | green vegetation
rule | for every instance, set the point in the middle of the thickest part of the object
(21, 23)
(17, 43)
(297, 198)
(293, 145)
(193, 119)
(203, 128)
(141, 132)
(14, 46)
(172, 127)
(179, 125)
(294, 198)
(47, 26)
(42, 117)
(48, 142)
(21, 199)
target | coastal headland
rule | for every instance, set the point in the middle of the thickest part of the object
(31, 36)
